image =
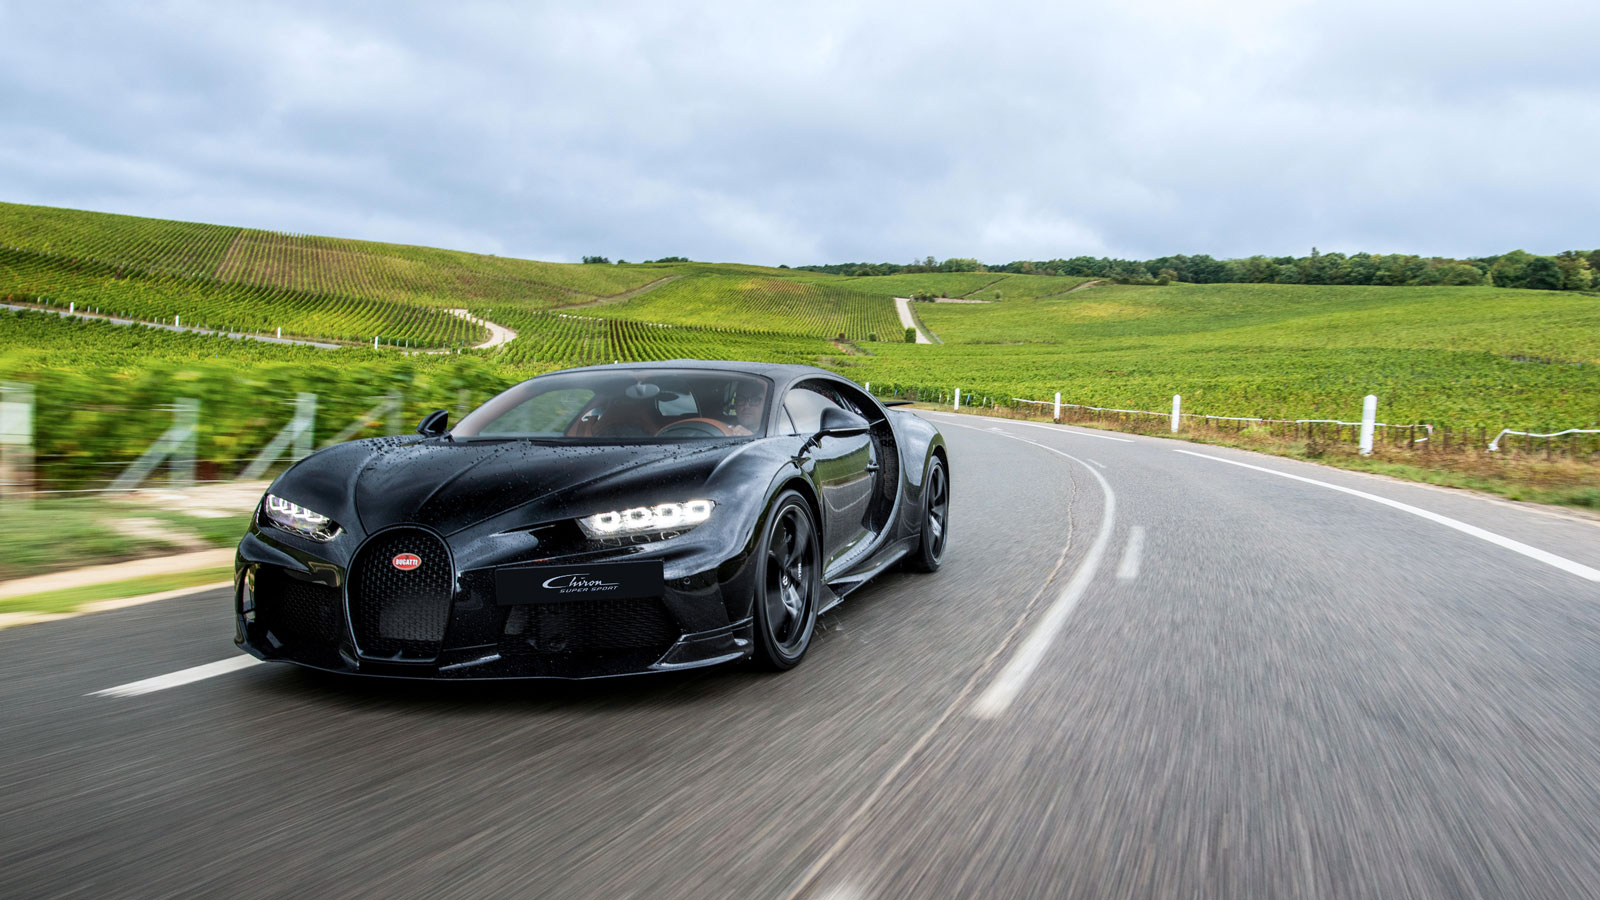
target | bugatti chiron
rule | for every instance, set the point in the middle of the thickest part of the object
(593, 522)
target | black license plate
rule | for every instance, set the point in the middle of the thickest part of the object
(580, 581)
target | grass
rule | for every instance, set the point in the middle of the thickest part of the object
(1464, 355)
(756, 303)
(1525, 477)
(50, 534)
(70, 599)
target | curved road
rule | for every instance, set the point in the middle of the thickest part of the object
(1144, 671)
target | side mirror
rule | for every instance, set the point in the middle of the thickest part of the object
(838, 422)
(434, 423)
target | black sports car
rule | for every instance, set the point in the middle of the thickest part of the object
(594, 522)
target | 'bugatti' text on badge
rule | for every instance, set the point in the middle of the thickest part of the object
(405, 562)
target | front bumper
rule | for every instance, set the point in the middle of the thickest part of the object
(292, 606)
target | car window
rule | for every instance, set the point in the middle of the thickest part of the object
(804, 405)
(626, 404)
(545, 415)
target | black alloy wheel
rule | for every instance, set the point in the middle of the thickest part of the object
(787, 583)
(935, 520)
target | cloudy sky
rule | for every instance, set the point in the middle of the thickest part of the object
(818, 132)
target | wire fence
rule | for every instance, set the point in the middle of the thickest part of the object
(176, 457)
(1424, 438)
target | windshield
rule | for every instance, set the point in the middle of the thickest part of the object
(625, 405)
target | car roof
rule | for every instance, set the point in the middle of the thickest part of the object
(780, 373)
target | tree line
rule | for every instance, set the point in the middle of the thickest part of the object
(1571, 270)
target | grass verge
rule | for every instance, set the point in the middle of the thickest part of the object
(51, 534)
(70, 599)
(1515, 476)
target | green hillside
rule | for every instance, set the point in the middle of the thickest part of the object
(1464, 355)
(803, 307)
(1452, 354)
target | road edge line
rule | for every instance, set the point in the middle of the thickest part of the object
(1571, 567)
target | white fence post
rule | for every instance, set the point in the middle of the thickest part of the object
(16, 440)
(374, 342)
(177, 320)
(1369, 416)
(385, 413)
(1177, 411)
(176, 443)
(1058, 406)
(297, 433)
(958, 398)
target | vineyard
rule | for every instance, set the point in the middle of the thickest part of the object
(786, 305)
(1475, 358)
(1464, 355)
(551, 339)
(416, 274)
(98, 287)
(309, 264)
(965, 285)
(126, 243)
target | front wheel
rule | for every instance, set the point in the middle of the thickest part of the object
(929, 553)
(788, 580)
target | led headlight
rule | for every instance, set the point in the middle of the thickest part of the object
(298, 519)
(643, 519)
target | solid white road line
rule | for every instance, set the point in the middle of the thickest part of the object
(1544, 556)
(1059, 429)
(1129, 569)
(1009, 683)
(1096, 462)
(175, 679)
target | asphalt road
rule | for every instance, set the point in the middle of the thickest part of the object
(1287, 690)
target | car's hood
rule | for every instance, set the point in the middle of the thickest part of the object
(449, 486)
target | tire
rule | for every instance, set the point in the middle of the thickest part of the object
(788, 583)
(929, 553)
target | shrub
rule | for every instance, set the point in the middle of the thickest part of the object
(911, 335)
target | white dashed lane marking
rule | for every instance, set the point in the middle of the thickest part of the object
(179, 678)
(1128, 570)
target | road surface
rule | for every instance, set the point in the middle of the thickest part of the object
(1145, 671)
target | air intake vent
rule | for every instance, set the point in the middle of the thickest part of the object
(593, 625)
(299, 613)
(399, 595)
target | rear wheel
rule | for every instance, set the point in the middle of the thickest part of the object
(788, 580)
(935, 520)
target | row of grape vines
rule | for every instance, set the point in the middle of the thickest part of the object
(101, 288)
(128, 243)
(553, 338)
(771, 304)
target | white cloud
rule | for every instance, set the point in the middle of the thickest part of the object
(820, 132)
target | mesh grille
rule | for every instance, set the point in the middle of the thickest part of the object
(397, 613)
(593, 625)
(297, 612)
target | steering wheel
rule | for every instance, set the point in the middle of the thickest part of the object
(696, 427)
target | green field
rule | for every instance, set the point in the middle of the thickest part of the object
(788, 305)
(1431, 354)
(966, 285)
(34, 278)
(1445, 355)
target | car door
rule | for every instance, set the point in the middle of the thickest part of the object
(844, 469)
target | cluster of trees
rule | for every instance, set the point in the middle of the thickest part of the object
(1572, 270)
(603, 261)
